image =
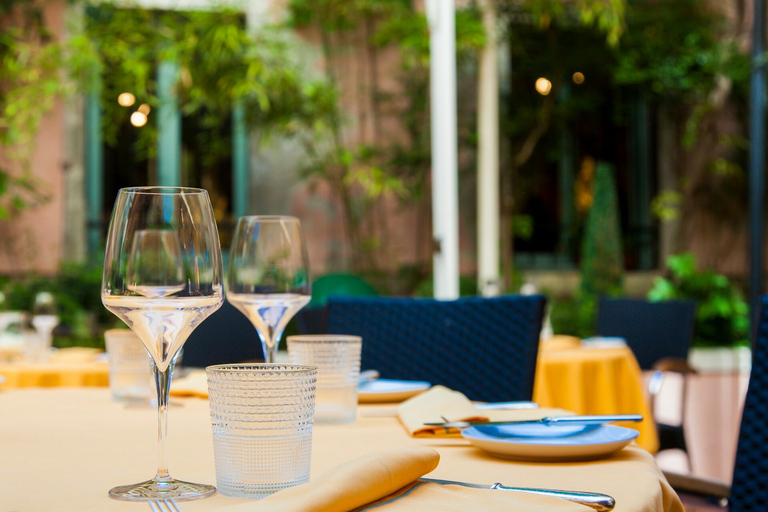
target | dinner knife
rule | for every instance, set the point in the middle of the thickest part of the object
(597, 501)
(598, 419)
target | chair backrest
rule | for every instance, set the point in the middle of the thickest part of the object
(485, 348)
(653, 330)
(226, 336)
(749, 490)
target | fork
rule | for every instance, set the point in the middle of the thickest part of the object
(164, 505)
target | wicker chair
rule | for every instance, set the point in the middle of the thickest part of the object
(749, 489)
(660, 335)
(485, 348)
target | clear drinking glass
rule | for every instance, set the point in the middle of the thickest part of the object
(268, 275)
(162, 277)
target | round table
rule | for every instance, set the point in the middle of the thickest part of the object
(594, 379)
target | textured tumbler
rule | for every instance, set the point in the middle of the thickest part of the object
(261, 416)
(130, 367)
(337, 358)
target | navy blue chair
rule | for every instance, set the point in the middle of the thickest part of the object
(660, 335)
(226, 336)
(653, 330)
(485, 348)
(749, 489)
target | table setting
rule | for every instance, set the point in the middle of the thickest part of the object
(308, 431)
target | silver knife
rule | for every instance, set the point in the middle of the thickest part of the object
(597, 501)
(598, 419)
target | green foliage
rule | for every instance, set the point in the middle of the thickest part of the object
(677, 50)
(574, 316)
(221, 64)
(77, 296)
(30, 63)
(602, 260)
(722, 315)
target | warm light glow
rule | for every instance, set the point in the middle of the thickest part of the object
(138, 119)
(144, 109)
(578, 77)
(543, 86)
(126, 99)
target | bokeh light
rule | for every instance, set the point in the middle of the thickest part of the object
(543, 86)
(144, 109)
(126, 99)
(578, 77)
(138, 119)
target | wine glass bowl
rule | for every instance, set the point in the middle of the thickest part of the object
(268, 275)
(162, 277)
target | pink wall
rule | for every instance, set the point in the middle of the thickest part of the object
(32, 241)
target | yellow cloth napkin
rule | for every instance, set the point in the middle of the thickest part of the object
(195, 383)
(352, 484)
(439, 401)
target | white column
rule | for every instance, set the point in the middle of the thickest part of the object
(488, 159)
(445, 202)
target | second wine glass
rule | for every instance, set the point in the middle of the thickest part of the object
(268, 275)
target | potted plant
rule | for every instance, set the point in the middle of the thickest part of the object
(721, 334)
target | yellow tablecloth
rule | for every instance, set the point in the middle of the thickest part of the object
(76, 366)
(64, 448)
(594, 381)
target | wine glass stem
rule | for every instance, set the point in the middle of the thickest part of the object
(163, 386)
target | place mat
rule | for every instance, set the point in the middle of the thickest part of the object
(440, 403)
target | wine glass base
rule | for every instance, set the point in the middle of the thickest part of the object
(162, 489)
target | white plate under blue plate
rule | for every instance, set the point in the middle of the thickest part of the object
(603, 342)
(388, 390)
(592, 444)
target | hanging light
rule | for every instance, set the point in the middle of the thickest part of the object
(578, 77)
(543, 86)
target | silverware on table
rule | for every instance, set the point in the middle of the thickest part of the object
(508, 405)
(164, 505)
(367, 376)
(596, 420)
(594, 500)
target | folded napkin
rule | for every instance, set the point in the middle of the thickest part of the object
(352, 484)
(195, 383)
(440, 403)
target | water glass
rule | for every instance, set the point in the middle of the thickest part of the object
(337, 358)
(130, 368)
(261, 415)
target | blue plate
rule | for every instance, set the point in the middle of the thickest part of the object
(595, 443)
(534, 430)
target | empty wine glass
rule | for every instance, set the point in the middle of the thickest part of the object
(268, 275)
(162, 277)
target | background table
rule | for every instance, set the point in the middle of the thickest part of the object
(77, 366)
(64, 448)
(594, 381)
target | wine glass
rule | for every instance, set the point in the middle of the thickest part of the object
(268, 275)
(162, 277)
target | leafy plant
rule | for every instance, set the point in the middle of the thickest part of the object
(722, 315)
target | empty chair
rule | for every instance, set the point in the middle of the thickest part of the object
(749, 489)
(226, 336)
(312, 318)
(485, 348)
(660, 335)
